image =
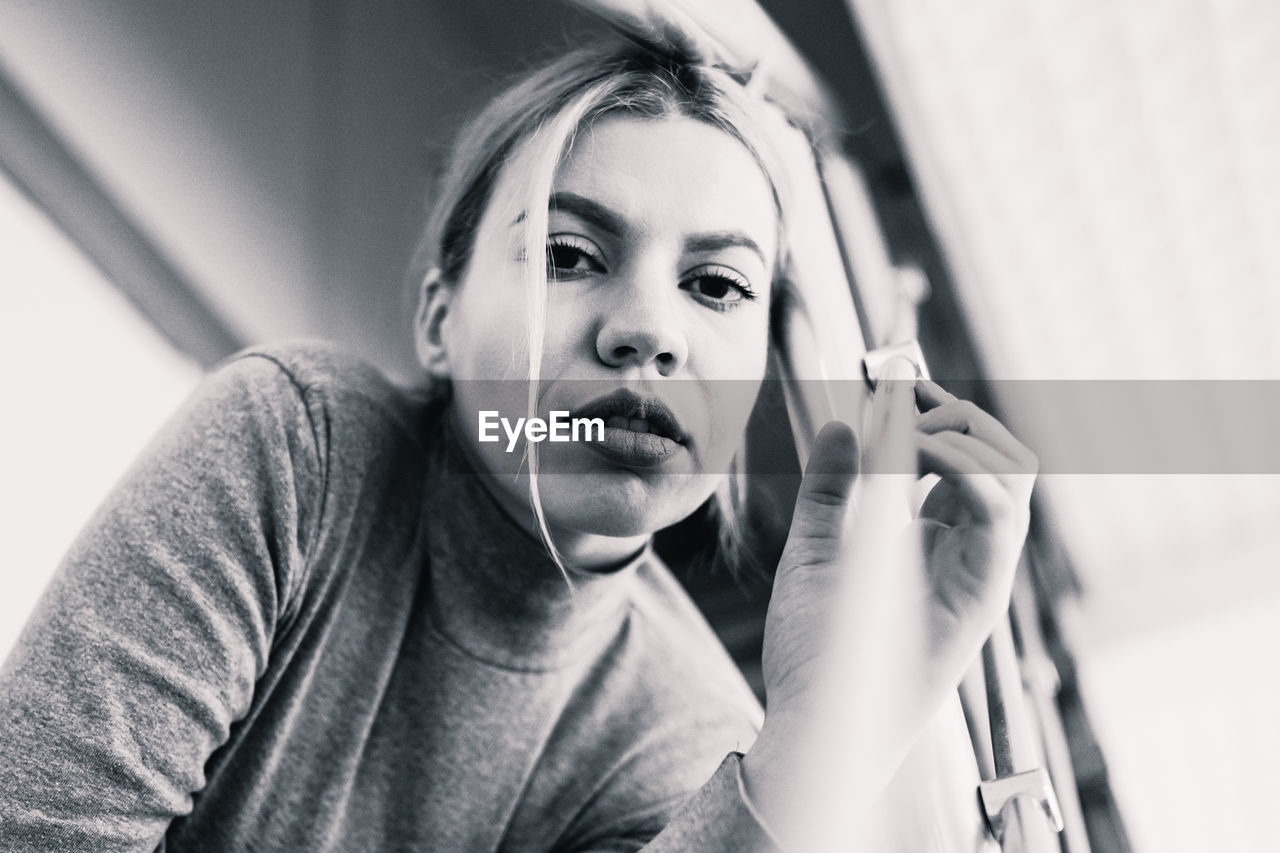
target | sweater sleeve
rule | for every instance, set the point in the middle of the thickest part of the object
(718, 817)
(144, 649)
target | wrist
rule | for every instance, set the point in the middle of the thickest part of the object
(776, 778)
(808, 778)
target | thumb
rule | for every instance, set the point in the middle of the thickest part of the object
(823, 500)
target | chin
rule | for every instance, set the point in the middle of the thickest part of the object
(624, 506)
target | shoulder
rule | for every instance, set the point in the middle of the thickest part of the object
(308, 423)
(323, 444)
(316, 370)
(308, 363)
(337, 395)
(362, 430)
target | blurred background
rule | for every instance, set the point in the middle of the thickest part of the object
(1070, 190)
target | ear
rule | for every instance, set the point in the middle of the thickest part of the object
(429, 324)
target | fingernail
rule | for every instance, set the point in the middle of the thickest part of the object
(899, 373)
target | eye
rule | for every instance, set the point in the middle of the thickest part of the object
(719, 288)
(570, 256)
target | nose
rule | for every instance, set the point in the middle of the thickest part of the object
(643, 328)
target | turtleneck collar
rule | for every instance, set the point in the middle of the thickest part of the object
(495, 590)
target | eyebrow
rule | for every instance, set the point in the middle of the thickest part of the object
(592, 212)
(717, 240)
(596, 214)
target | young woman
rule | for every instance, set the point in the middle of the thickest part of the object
(322, 613)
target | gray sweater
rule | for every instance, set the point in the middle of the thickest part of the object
(299, 623)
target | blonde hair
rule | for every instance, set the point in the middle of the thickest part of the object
(526, 132)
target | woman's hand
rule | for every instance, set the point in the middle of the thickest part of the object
(863, 639)
(973, 522)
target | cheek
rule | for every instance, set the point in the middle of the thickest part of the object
(487, 334)
(490, 331)
(730, 402)
(487, 361)
(738, 351)
(732, 377)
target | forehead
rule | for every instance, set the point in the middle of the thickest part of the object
(672, 175)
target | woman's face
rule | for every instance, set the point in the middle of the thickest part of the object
(662, 244)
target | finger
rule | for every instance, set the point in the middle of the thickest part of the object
(889, 441)
(955, 415)
(827, 485)
(965, 417)
(930, 395)
(1011, 472)
(942, 505)
(981, 491)
(1017, 483)
(927, 528)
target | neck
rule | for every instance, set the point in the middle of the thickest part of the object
(495, 591)
(588, 552)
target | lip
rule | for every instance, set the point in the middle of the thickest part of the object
(626, 446)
